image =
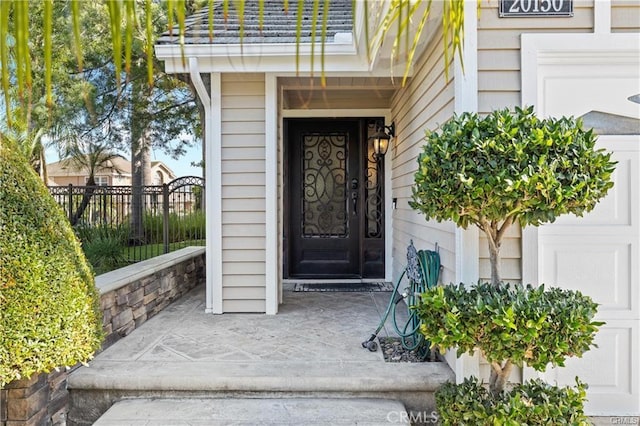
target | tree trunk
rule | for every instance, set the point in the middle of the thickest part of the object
(494, 242)
(141, 176)
(140, 161)
(499, 376)
(494, 258)
(86, 198)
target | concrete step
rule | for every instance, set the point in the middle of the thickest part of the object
(93, 390)
(267, 412)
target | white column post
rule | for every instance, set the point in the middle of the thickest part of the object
(467, 240)
(213, 178)
(271, 193)
(213, 167)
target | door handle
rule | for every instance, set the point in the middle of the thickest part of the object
(354, 199)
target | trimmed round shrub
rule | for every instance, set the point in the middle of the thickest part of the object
(533, 325)
(49, 306)
(532, 403)
(510, 324)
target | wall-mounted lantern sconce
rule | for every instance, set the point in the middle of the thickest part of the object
(381, 138)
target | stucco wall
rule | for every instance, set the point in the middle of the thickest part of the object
(425, 103)
(243, 192)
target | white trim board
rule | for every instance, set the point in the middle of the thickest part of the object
(213, 173)
(272, 265)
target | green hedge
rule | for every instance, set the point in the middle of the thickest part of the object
(49, 307)
(531, 403)
(185, 227)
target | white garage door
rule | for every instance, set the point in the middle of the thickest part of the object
(598, 254)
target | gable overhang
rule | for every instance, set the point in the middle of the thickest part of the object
(273, 58)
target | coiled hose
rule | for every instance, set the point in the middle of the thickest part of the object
(422, 272)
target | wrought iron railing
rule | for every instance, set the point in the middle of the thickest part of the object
(147, 221)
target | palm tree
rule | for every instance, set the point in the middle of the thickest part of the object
(30, 143)
(92, 157)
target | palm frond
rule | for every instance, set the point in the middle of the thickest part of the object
(396, 21)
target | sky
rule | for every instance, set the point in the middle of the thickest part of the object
(182, 166)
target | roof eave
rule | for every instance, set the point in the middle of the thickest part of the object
(273, 57)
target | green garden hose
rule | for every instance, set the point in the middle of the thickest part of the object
(422, 272)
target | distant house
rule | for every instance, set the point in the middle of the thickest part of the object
(65, 172)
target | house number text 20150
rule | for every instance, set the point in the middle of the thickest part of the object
(528, 8)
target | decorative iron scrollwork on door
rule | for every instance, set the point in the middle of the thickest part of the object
(373, 190)
(324, 185)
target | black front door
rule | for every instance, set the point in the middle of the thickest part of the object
(325, 213)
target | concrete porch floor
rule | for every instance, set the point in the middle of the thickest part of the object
(310, 349)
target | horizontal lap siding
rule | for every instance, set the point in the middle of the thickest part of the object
(425, 103)
(499, 83)
(625, 16)
(243, 193)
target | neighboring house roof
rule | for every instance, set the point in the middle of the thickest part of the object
(278, 26)
(155, 165)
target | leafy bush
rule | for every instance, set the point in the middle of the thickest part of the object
(181, 227)
(531, 403)
(510, 324)
(49, 306)
(104, 246)
(523, 324)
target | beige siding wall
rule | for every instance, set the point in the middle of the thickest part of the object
(511, 253)
(625, 16)
(243, 192)
(425, 103)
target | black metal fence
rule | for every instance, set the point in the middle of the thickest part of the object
(143, 222)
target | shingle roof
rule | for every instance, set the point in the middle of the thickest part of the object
(278, 26)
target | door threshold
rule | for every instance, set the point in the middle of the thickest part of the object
(333, 281)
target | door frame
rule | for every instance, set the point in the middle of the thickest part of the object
(388, 214)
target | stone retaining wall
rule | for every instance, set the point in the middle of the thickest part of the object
(128, 297)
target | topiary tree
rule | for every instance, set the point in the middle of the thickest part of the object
(49, 311)
(509, 168)
(504, 169)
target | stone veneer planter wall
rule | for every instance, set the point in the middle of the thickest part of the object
(128, 297)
